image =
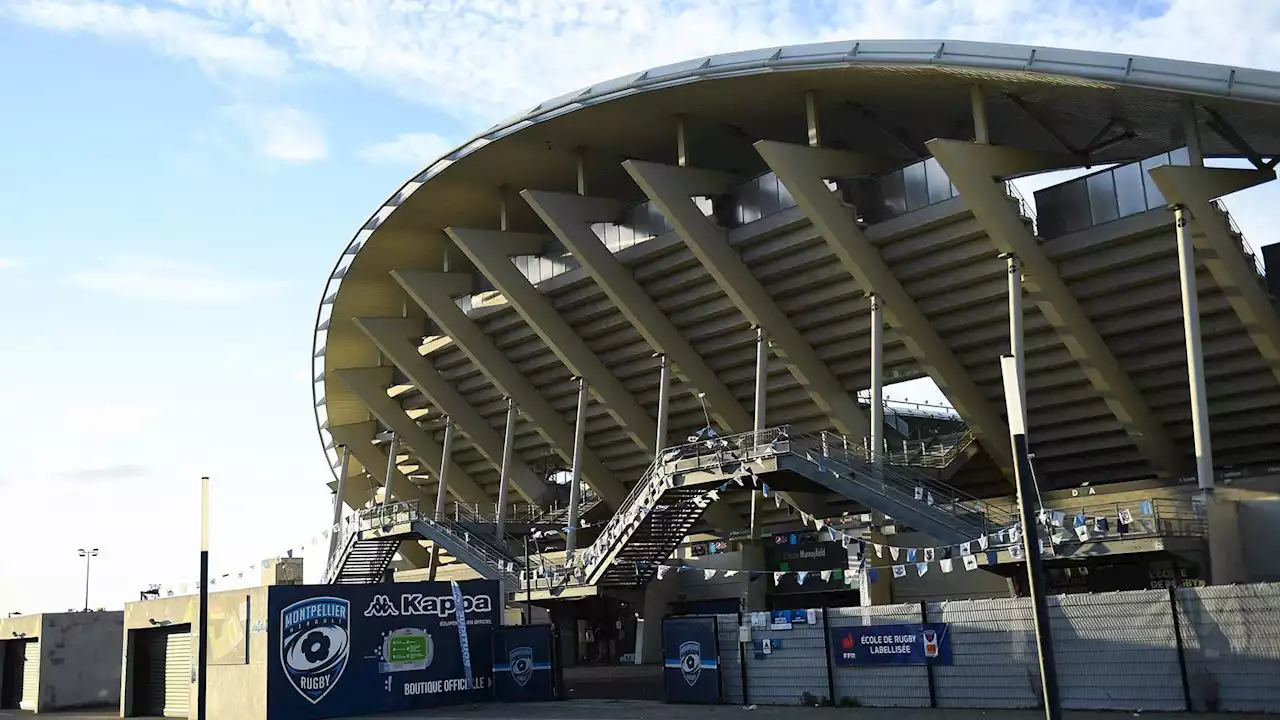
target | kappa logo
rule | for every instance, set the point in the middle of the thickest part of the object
(315, 643)
(691, 661)
(380, 607)
(521, 660)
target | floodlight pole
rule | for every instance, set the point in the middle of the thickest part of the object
(1030, 537)
(202, 652)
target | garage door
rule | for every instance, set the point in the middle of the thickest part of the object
(169, 672)
(30, 675)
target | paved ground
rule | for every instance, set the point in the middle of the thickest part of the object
(613, 682)
(81, 715)
(637, 710)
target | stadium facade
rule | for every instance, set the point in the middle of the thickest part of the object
(530, 339)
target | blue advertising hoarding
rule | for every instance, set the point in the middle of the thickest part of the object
(906, 644)
(523, 663)
(338, 650)
(691, 667)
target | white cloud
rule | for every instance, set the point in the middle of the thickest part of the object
(213, 44)
(149, 278)
(413, 149)
(498, 56)
(281, 132)
(10, 263)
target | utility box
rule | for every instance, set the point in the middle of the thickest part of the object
(60, 661)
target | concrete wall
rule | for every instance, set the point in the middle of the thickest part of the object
(235, 691)
(80, 660)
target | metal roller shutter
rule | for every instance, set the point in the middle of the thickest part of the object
(177, 674)
(156, 642)
(30, 675)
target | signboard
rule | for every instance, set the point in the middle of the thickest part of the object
(806, 556)
(908, 644)
(523, 667)
(691, 668)
(338, 650)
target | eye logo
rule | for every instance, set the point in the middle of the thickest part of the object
(691, 661)
(315, 643)
(521, 660)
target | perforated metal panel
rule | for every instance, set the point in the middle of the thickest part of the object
(177, 674)
(993, 652)
(30, 675)
(798, 667)
(730, 664)
(1231, 634)
(889, 686)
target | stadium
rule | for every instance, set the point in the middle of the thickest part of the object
(647, 327)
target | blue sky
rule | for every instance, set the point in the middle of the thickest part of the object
(176, 178)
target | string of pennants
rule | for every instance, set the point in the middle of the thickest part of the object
(236, 578)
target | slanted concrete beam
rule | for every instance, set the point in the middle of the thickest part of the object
(570, 217)
(358, 437)
(487, 249)
(973, 169)
(671, 189)
(802, 169)
(393, 338)
(369, 384)
(1197, 188)
(425, 289)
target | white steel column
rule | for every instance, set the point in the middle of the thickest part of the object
(762, 392)
(1191, 133)
(811, 118)
(582, 171)
(504, 475)
(877, 385)
(664, 403)
(391, 468)
(1195, 354)
(441, 489)
(575, 474)
(682, 147)
(1017, 348)
(343, 469)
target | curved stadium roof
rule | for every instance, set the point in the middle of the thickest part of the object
(883, 98)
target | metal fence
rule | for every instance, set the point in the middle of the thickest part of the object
(1200, 649)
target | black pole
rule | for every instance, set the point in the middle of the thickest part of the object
(928, 666)
(87, 558)
(202, 656)
(826, 646)
(1182, 651)
(1035, 578)
(528, 584)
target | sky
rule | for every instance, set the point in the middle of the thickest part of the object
(177, 178)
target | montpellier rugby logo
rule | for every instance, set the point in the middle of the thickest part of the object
(691, 661)
(314, 644)
(521, 660)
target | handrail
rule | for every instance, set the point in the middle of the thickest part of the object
(1258, 266)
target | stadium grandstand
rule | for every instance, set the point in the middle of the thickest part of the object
(627, 351)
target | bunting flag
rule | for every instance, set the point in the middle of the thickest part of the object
(764, 489)
(825, 575)
(919, 493)
(731, 573)
(1079, 520)
(965, 550)
(970, 562)
(777, 500)
(879, 549)
(911, 555)
(714, 495)
(777, 577)
(946, 565)
(983, 542)
(993, 557)
(800, 576)
(1145, 508)
(1016, 552)
(1082, 532)
(1057, 517)
(929, 554)
(921, 569)
(894, 551)
(1100, 525)
(873, 575)
(899, 571)
(1126, 517)
(929, 498)
(708, 574)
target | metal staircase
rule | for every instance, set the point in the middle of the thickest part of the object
(371, 539)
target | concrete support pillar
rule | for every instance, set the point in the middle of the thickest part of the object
(1195, 353)
(762, 392)
(879, 592)
(391, 469)
(504, 475)
(682, 148)
(664, 402)
(978, 102)
(1191, 133)
(343, 469)
(1226, 551)
(582, 171)
(575, 474)
(877, 385)
(811, 118)
(1017, 346)
(656, 605)
(442, 488)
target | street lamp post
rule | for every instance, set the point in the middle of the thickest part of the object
(88, 554)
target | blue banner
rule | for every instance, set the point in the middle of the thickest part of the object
(907, 644)
(523, 664)
(339, 650)
(691, 667)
